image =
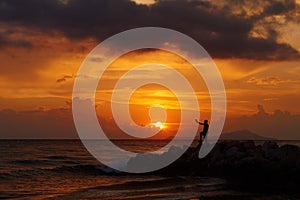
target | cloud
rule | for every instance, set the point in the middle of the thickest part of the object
(64, 78)
(58, 124)
(224, 29)
(44, 123)
(279, 7)
(6, 40)
(268, 80)
(54, 124)
(280, 124)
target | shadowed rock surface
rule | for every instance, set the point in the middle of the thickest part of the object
(266, 166)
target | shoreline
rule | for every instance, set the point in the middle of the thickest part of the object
(232, 170)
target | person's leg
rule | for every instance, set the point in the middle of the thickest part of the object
(201, 135)
(204, 136)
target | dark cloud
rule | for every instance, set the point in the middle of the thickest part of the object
(223, 29)
(280, 124)
(270, 81)
(64, 78)
(277, 7)
(54, 124)
(6, 40)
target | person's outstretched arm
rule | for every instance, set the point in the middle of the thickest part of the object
(199, 122)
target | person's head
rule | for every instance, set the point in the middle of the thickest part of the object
(206, 121)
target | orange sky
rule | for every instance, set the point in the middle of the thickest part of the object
(38, 74)
(43, 73)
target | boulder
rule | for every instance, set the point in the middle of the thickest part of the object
(232, 151)
(270, 145)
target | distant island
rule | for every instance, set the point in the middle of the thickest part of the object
(243, 135)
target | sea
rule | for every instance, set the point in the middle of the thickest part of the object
(64, 169)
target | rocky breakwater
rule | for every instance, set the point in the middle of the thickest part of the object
(267, 165)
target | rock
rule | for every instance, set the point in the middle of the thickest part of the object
(274, 155)
(255, 153)
(231, 151)
(236, 160)
(249, 164)
(247, 145)
(269, 148)
(228, 144)
(289, 155)
(290, 148)
(298, 163)
(270, 145)
(216, 154)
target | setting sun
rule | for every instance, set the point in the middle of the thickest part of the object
(159, 125)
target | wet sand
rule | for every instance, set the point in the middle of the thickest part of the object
(170, 188)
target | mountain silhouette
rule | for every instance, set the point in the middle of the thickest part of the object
(243, 135)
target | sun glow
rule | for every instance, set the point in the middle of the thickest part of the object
(159, 125)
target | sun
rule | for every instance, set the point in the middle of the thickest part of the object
(159, 125)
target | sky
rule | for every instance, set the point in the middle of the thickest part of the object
(255, 45)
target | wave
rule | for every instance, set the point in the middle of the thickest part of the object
(28, 162)
(86, 169)
(57, 157)
(65, 170)
(152, 188)
(48, 161)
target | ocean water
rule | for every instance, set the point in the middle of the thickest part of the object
(64, 169)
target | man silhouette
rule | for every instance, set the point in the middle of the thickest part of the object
(205, 129)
